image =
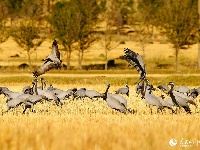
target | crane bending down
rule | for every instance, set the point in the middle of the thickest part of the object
(52, 61)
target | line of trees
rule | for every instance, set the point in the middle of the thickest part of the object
(74, 23)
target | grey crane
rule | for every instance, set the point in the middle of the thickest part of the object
(28, 99)
(113, 102)
(66, 94)
(93, 94)
(163, 88)
(32, 100)
(138, 89)
(51, 87)
(15, 99)
(182, 89)
(167, 103)
(124, 90)
(150, 98)
(198, 89)
(13, 103)
(177, 100)
(56, 91)
(188, 99)
(8, 93)
(194, 92)
(80, 93)
(120, 98)
(52, 61)
(43, 84)
(48, 94)
(134, 59)
(27, 90)
(141, 88)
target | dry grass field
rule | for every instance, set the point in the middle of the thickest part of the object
(90, 124)
(156, 53)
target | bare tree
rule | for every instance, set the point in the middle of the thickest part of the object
(179, 21)
(32, 10)
(13, 10)
(87, 12)
(199, 35)
(119, 11)
(141, 20)
(109, 42)
(63, 23)
(4, 32)
(109, 39)
(28, 37)
(28, 33)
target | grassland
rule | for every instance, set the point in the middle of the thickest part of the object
(157, 54)
(91, 124)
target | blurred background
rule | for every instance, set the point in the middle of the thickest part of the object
(92, 34)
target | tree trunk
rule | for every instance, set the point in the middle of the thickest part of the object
(48, 5)
(106, 58)
(11, 22)
(68, 57)
(199, 35)
(29, 58)
(152, 35)
(80, 58)
(143, 49)
(176, 61)
(68, 61)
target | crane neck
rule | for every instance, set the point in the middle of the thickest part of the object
(173, 97)
(35, 88)
(106, 92)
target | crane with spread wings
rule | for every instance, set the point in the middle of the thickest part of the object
(134, 59)
(52, 61)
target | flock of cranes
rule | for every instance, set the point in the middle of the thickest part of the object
(34, 94)
(179, 97)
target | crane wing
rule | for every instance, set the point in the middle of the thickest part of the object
(55, 50)
(44, 68)
(52, 61)
(134, 59)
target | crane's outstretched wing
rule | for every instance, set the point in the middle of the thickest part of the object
(54, 52)
(134, 59)
(52, 61)
(44, 68)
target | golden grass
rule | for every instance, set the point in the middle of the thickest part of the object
(87, 124)
(91, 124)
(96, 131)
(154, 53)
